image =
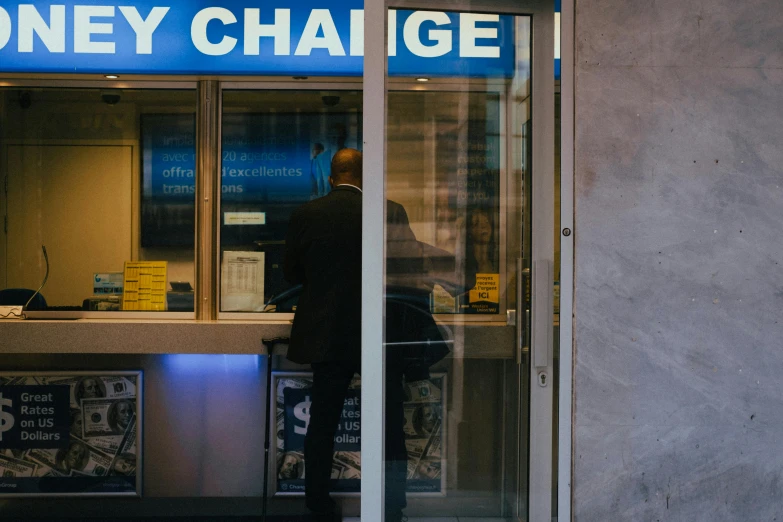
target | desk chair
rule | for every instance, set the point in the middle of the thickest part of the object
(20, 296)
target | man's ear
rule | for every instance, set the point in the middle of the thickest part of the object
(331, 182)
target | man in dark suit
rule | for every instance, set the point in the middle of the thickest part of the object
(323, 253)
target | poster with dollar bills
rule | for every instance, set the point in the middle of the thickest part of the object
(425, 435)
(70, 434)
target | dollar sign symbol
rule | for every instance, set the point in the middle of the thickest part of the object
(6, 419)
(301, 412)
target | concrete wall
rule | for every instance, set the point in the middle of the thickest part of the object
(679, 260)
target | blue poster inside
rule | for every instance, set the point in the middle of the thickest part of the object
(425, 437)
(270, 164)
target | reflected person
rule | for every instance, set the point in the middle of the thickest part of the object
(315, 178)
(481, 254)
(323, 253)
(322, 163)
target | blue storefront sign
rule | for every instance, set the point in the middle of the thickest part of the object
(307, 38)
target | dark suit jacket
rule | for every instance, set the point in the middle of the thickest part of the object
(323, 253)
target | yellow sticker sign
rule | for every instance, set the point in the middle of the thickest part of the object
(485, 296)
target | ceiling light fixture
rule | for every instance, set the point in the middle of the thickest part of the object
(422, 79)
(111, 76)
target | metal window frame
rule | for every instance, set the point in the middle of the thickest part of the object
(567, 126)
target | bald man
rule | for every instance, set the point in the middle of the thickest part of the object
(324, 255)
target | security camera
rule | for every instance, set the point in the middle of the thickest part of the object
(25, 99)
(330, 101)
(111, 97)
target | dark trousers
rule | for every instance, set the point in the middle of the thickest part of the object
(330, 384)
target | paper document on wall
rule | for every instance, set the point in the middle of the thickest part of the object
(242, 282)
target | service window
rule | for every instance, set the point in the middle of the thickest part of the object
(105, 181)
(277, 148)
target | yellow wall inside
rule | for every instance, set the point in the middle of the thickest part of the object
(72, 165)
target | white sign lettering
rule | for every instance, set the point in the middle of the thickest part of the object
(469, 33)
(442, 37)
(51, 35)
(280, 31)
(357, 32)
(426, 34)
(84, 28)
(144, 28)
(392, 33)
(198, 31)
(320, 19)
(5, 27)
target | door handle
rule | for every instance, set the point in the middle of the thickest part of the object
(541, 335)
(523, 308)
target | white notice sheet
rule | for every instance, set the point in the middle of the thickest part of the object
(242, 282)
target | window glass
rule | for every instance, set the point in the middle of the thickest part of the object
(458, 188)
(444, 161)
(277, 148)
(105, 180)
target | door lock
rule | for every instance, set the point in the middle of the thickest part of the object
(543, 379)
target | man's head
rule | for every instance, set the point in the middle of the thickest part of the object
(289, 467)
(346, 168)
(124, 413)
(429, 417)
(317, 149)
(90, 388)
(74, 456)
(125, 464)
(76, 422)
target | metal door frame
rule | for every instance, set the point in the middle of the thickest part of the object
(373, 250)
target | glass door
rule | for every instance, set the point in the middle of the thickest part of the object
(458, 295)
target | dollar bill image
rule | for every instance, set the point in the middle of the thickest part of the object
(46, 459)
(422, 391)
(350, 463)
(77, 425)
(427, 469)
(11, 381)
(86, 459)
(11, 467)
(14, 453)
(78, 456)
(109, 444)
(434, 446)
(101, 417)
(292, 383)
(128, 444)
(411, 465)
(416, 447)
(290, 465)
(337, 469)
(123, 464)
(118, 387)
(62, 381)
